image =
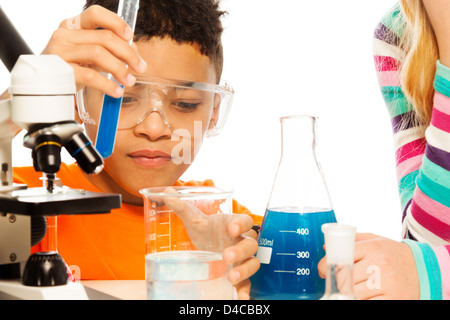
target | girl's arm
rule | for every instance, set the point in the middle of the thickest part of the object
(422, 161)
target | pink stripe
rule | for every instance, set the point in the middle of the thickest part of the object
(388, 78)
(384, 63)
(409, 150)
(443, 256)
(432, 224)
(441, 102)
(408, 166)
(440, 120)
(434, 208)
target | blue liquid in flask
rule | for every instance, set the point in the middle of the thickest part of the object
(290, 247)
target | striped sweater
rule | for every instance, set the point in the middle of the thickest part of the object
(422, 162)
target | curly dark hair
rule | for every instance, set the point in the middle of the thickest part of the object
(185, 21)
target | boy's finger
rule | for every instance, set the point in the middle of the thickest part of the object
(239, 224)
(241, 251)
(188, 213)
(90, 78)
(243, 289)
(98, 17)
(106, 39)
(101, 60)
(244, 270)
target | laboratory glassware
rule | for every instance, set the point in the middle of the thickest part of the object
(340, 249)
(184, 247)
(109, 117)
(290, 240)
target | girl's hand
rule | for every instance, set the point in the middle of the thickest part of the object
(383, 269)
(90, 51)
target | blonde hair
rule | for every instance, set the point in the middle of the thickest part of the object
(419, 66)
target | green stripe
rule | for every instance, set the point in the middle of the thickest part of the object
(394, 20)
(442, 85)
(406, 186)
(435, 172)
(421, 269)
(433, 190)
(433, 271)
(442, 79)
(395, 100)
(442, 71)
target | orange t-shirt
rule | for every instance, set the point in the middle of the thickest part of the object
(103, 246)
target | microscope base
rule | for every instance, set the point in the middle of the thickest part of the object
(13, 289)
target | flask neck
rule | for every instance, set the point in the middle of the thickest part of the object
(299, 182)
(339, 282)
(298, 138)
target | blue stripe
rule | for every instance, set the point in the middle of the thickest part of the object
(79, 149)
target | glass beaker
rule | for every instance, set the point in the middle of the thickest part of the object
(291, 241)
(186, 233)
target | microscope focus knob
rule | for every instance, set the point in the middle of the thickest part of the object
(45, 269)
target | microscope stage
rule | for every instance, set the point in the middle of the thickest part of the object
(38, 201)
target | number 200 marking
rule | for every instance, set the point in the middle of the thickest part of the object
(303, 271)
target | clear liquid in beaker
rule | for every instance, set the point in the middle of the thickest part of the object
(187, 275)
(290, 247)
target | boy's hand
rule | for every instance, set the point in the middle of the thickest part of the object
(217, 229)
(383, 269)
(242, 254)
(90, 51)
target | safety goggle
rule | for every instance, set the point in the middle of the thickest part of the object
(179, 103)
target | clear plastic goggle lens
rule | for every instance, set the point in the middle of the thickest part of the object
(178, 102)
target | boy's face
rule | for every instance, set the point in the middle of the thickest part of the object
(142, 155)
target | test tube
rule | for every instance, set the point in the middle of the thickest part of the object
(109, 116)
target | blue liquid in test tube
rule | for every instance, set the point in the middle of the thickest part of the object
(107, 128)
(109, 117)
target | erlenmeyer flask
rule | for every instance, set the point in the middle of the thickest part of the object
(291, 241)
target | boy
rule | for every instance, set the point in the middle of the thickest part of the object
(174, 39)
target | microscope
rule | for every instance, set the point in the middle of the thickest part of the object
(42, 102)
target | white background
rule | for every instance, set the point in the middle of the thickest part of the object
(283, 57)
